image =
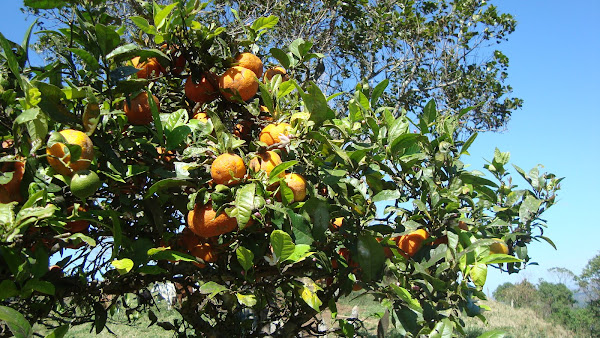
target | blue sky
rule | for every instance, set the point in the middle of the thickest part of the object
(551, 67)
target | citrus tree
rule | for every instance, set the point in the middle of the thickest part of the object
(181, 152)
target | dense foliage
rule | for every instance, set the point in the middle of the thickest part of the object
(367, 198)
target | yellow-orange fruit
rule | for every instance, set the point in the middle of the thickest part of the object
(58, 152)
(228, 169)
(336, 224)
(242, 129)
(499, 247)
(201, 116)
(411, 243)
(10, 192)
(238, 80)
(274, 71)
(204, 91)
(150, 68)
(138, 109)
(204, 251)
(251, 62)
(272, 132)
(298, 185)
(77, 226)
(205, 222)
(266, 161)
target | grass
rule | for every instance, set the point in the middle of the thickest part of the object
(515, 322)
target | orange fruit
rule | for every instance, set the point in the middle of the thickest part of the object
(201, 116)
(205, 222)
(386, 249)
(266, 161)
(440, 240)
(202, 91)
(188, 239)
(206, 252)
(250, 61)
(77, 226)
(238, 80)
(411, 243)
(274, 71)
(298, 185)
(271, 133)
(336, 224)
(499, 247)
(150, 68)
(138, 109)
(10, 192)
(228, 169)
(58, 152)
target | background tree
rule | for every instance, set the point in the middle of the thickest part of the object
(134, 165)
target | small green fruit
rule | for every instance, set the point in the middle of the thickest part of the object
(85, 183)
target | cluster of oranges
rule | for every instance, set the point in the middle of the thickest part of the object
(11, 191)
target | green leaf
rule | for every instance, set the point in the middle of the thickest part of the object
(123, 266)
(301, 229)
(248, 300)
(443, 329)
(309, 296)
(171, 255)
(108, 38)
(100, 317)
(143, 25)
(477, 180)
(16, 322)
(500, 157)
(479, 274)
(44, 4)
(39, 286)
(301, 252)
(8, 289)
(282, 245)
(11, 59)
(499, 258)
(403, 294)
(370, 256)
(285, 88)
(264, 23)
(245, 257)
(280, 168)
(281, 56)
(88, 240)
(59, 332)
(467, 144)
(316, 104)
(176, 136)
(405, 141)
(295, 47)
(86, 57)
(429, 112)
(244, 202)
(160, 16)
(151, 270)
(167, 183)
(319, 215)
(529, 208)
(386, 195)
(211, 289)
(493, 334)
(378, 91)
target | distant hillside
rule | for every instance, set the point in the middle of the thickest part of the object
(522, 322)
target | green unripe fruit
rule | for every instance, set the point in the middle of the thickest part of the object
(85, 183)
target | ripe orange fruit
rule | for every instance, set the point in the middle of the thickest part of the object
(386, 249)
(77, 226)
(138, 109)
(150, 68)
(499, 247)
(238, 80)
(271, 133)
(204, 251)
(411, 243)
(274, 71)
(228, 169)
(250, 61)
(298, 185)
(266, 161)
(204, 222)
(203, 91)
(10, 192)
(336, 224)
(201, 116)
(58, 152)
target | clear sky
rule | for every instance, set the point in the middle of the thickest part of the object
(553, 67)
